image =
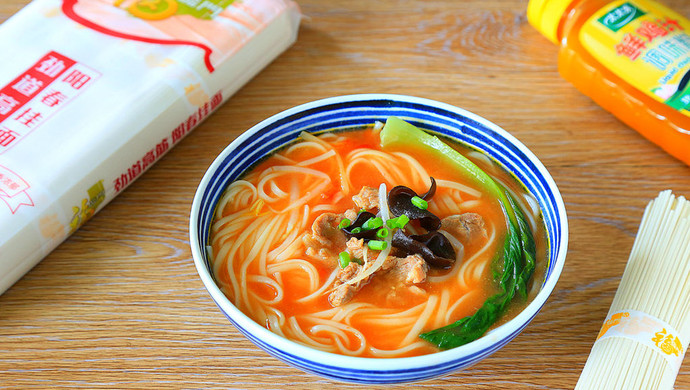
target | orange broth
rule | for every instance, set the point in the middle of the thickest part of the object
(295, 283)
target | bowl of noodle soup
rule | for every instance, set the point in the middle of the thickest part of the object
(262, 238)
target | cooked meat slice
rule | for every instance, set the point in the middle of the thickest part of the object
(409, 270)
(417, 291)
(356, 247)
(465, 227)
(390, 262)
(368, 198)
(401, 295)
(347, 273)
(399, 273)
(342, 295)
(343, 292)
(326, 240)
(325, 228)
(351, 214)
(322, 254)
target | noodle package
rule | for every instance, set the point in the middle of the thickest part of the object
(98, 90)
(643, 340)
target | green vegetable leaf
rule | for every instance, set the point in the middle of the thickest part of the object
(518, 257)
(397, 133)
(528, 250)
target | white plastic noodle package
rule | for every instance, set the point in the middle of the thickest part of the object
(96, 91)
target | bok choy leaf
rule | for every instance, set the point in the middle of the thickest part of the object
(513, 267)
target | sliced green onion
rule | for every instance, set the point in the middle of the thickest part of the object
(419, 203)
(377, 245)
(344, 259)
(398, 222)
(372, 223)
(382, 233)
(356, 230)
(344, 223)
(358, 261)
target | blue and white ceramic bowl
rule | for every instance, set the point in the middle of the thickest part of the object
(356, 111)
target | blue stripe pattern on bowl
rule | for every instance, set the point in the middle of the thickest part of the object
(363, 112)
(342, 116)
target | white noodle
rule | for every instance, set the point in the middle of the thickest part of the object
(383, 203)
(655, 282)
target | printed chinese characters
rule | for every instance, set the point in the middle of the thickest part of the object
(633, 45)
(162, 147)
(38, 93)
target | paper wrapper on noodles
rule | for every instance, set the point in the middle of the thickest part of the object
(96, 91)
(644, 337)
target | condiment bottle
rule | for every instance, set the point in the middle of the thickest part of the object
(632, 57)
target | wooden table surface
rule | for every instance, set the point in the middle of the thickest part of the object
(119, 304)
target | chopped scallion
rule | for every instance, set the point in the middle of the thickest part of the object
(377, 245)
(344, 259)
(398, 222)
(358, 261)
(372, 223)
(344, 223)
(356, 230)
(419, 203)
(382, 233)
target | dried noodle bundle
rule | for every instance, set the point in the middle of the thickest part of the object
(643, 340)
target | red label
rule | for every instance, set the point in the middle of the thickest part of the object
(30, 83)
(38, 93)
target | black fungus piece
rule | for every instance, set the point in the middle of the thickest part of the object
(411, 246)
(400, 202)
(438, 243)
(432, 190)
(358, 222)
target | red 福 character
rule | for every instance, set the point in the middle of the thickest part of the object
(631, 46)
(650, 31)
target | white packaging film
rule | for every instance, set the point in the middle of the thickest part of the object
(93, 92)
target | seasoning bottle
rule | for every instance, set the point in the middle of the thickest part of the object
(632, 57)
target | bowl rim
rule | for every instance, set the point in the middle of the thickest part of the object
(359, 364)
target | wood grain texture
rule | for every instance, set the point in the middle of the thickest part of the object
(120, 305)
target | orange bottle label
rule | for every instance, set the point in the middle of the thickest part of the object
(645, 44)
